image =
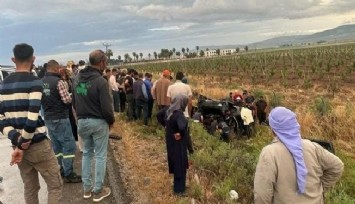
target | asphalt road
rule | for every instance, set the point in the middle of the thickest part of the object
(11, 190)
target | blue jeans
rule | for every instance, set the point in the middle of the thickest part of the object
(63, 143)
(95, 133)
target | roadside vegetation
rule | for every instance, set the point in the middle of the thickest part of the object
(324, 102)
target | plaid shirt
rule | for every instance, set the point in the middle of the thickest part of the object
(63, 92)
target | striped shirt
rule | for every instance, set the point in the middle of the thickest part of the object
(20, 98)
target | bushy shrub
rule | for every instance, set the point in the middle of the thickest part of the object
(275, 100)
(322, 106)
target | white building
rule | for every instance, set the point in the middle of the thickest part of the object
(210, 53)
(222, 52)
(227, 51)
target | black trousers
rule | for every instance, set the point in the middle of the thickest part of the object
(261, 116)
(150, 107)
(180, 184)
(74, 127)
(131, 107)
(122, 100)
(139, 107)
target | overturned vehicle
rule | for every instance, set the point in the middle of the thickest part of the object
(225, 117)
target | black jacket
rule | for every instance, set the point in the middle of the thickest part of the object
(53, 106)
(91, 96)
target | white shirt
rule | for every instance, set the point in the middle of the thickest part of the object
(113, 83)
(180, 88)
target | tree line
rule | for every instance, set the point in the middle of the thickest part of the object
(164, 54)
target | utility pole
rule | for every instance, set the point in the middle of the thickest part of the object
(106, 45)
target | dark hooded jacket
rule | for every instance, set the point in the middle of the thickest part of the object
(91, 96)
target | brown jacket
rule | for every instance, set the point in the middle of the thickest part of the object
(275, 176)
(159, 91)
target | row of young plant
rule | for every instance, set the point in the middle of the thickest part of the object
(328, 63)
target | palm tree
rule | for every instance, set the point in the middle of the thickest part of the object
(246, 48)
(109, 54)
(187, 50)
(141, 55)
(149, 55)
(137, 56)
(134, 55)
(197, 48)
(218, 51)
(126, 57)
(174, 50)
(119, 58)
(178, 54)
(155, 55)
(183, 51)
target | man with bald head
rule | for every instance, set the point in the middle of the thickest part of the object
(56, 102)
(94, 108)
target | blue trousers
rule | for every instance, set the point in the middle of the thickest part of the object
(63, 143)
(95, 133)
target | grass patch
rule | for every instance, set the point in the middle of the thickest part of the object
(223, 167)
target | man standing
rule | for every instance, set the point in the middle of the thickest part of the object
(93, 104)
(20, 97)
(115, 91)
(56, 102)
(81, 66)
(128, 85)
(148, 84)
(180, 88)
(159, 90)
(141, 98)
(261, 105)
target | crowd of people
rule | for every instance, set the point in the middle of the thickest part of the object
(79, 102)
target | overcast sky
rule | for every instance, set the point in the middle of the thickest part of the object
(70, 29)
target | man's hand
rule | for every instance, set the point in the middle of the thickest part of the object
(177, 136)
(23, 143)
(16, 156)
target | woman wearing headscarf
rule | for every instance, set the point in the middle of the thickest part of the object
(176, 127)
(292, 169)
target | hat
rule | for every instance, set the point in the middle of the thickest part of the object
(166, 72)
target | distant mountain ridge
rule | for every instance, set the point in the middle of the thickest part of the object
(340, 33)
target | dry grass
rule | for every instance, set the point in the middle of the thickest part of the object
(142, 153)
(144, 164)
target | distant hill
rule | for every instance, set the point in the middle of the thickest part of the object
(339, 34)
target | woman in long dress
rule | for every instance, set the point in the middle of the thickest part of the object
(176, 127)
